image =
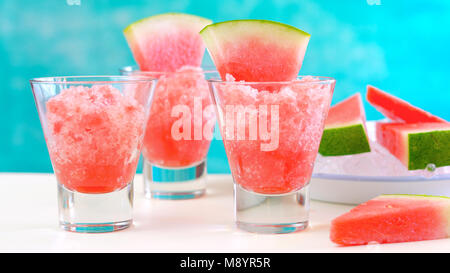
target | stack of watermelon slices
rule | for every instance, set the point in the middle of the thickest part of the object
(417, 138)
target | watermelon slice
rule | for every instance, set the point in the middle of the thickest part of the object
(418, 144)
(397, 109)
(256, 50)
(393, 219)
(345, 129)
(167, 42)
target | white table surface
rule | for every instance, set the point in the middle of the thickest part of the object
(28, 222)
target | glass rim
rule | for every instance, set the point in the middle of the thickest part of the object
(101, 79)
(317, 80)
(135, 68)
(211, 70)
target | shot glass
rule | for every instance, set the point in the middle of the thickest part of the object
(178, 135)
(94, 129)
(271, 132)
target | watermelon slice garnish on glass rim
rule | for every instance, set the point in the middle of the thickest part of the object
(167, 42)
(256, 50)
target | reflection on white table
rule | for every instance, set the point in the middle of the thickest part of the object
(29, 222)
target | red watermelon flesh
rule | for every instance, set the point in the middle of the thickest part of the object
(345, 130)
(256, 50)
(416, 145)
(167, 42)
(349, 111)
(397, 109)
(393, 219)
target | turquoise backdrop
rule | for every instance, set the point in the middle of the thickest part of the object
(402, 46)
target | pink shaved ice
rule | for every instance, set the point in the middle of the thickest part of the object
(178, 89)
(302, 110)
(94, 137)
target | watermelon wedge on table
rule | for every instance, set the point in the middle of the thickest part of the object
(345, 130)
(256, 50)
(167, 42)
(397, 109)
(393, 219)
(416, 145)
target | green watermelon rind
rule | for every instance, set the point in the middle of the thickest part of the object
(272, 23)
(164, 15)
(288, 35)
(415, 196)
(345, 140)
(428, 148)
(293, 34)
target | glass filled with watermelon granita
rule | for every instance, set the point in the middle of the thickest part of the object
(94, 129)
(271, 132)
(178, 134)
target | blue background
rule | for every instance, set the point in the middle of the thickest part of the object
(402, 46)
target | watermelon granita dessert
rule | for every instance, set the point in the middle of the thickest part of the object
(181, 123)
(345, 130)
(168, 47)
(187, 88)
(285, 167)
(94, 137)
(393, 219)
(259, 61)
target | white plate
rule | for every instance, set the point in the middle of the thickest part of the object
(348, 189)
(352, 189)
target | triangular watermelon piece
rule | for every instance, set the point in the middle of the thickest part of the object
(345, 129)
(167, 42)
(397, 109)
(417, 145)
(393, 219)
(256, 50)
